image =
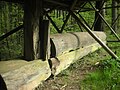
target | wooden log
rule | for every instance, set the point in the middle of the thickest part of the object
(71, 41)
(68, 58)
(23, 75)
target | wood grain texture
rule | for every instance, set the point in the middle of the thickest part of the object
(27, 76)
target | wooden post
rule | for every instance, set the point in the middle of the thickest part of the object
(31, 28)
(45, 40)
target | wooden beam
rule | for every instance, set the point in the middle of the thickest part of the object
(115, 21)
(84, 20)
(90, 9)
(81, 7)
(112, 41)
(15, 1)
(55, 26)
(65, 22)
(57, 2)
(94, 36)
(11, 32)
(68, 16)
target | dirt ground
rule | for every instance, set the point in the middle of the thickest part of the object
(70, 79)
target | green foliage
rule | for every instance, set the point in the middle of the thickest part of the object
(11, 17)
(88, 16)
(71, 25)
(105, 77)
(58, 21)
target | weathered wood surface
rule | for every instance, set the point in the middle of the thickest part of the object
(71, 41)
(31, 29)
(23, 75)
(68, 58)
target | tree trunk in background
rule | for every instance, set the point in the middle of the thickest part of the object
(114, 14)
(119, 17)
(99, 25)
(31, 29)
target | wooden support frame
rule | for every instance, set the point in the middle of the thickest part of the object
(78, 12)
(58, 3)
(94, 36)
(55, 26)
(11, 32)
(84, 20)
(90, 9)
(105, 22)
(65, 22)
(97, 18)
(68, 16)
(115, 21)
(82, 7)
